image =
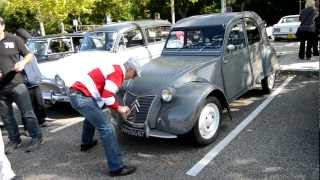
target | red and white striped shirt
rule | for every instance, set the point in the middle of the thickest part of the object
(102, 84)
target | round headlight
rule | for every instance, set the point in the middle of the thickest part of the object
(167, 94)
(59, 81)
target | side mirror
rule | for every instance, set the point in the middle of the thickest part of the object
(231, 47)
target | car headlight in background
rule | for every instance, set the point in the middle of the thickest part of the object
(59, 81)
(168, 94)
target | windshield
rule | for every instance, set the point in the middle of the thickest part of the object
(206, 38)
(99, 41)
(38, 47)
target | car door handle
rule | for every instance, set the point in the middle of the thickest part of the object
(226, 61)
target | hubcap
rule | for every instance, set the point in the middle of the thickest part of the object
(209, 121)
(271, 79)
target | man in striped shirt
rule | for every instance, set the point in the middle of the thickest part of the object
(93, 91)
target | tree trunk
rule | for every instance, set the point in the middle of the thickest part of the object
(173, 15)
(42, 31)
(62, 27)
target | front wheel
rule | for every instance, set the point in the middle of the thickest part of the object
(208, 121)
(268, 82)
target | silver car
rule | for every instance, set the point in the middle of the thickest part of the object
(208, 61)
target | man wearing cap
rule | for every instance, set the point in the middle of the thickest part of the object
(94, 90)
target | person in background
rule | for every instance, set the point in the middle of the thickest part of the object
(33, 75)
(11, 48)
(307, 29)
(95, 89)
(315, 48)
(6, 172)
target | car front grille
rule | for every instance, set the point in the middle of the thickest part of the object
(139, 106)
(276, 29)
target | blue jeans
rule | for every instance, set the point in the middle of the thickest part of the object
(95, 118)
(20, 95)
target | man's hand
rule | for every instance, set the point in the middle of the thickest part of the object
(19, 66)
(124, 111)
(0, 74)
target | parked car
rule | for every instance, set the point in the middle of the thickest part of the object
(208, 61)
(143, 40)
(56, 46)
(286, 28)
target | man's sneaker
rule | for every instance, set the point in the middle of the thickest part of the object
(86, 147)
(34, 144)
(17, 178)
(11, 147)
(126, 170)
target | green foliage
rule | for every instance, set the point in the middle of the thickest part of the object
(29, 13)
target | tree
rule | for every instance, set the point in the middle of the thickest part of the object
(48, 12)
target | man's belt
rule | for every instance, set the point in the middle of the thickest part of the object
(76, 92)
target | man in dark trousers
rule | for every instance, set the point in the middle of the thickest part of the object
(11, 48)
(93, 90)
(33, 75)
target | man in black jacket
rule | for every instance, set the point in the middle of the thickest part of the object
(11, 48)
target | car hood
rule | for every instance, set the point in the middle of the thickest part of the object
(286, 25)
(168, 71)
(70, 67)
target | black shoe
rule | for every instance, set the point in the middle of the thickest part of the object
(11, 147)
(34, 144)
(17, 178)
(86, 147)
(126, 170)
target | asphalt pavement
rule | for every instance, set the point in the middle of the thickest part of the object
(281, 142)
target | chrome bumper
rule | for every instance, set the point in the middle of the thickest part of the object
(52, 98)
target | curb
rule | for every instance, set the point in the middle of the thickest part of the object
(308, 73)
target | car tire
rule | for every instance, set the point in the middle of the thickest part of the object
(207, 126)
(268, 83)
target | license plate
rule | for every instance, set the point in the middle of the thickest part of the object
(132, 131)
(291, 36)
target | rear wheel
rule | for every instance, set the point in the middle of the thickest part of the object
(208, 122)
(268, 82)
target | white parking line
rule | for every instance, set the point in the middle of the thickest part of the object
(77, 120)
(195, 170)
(73, 122)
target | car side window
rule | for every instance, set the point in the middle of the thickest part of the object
(236, 37)
(252, 32)
(155, 34)
(133, 38)
(60, 45)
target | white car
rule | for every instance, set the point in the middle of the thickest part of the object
(111, 44)
(286, 28)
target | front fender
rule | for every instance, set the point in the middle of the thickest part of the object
(178, 116)
(270, 62)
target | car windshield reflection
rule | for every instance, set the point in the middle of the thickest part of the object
(290, 19)
(99, 41)
(38, 47)
(203, 39)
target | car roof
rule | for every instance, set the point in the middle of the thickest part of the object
(122, 26)
(215, 19)
(297, 15)
(77, 34)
